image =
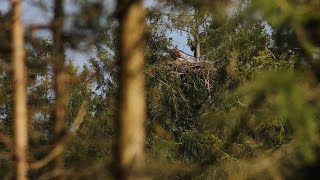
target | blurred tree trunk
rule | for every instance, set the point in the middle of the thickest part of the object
(60, 78)
(132, 100)
(20, 93)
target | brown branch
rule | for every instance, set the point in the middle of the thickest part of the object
(59, 146)
(55, 152)
(79, 118)
(35, 27)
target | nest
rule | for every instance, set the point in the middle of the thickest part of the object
(203, 71)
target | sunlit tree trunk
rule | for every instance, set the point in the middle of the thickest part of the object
(198, 51)
(132, 100)
(60, 78)
(20, 93)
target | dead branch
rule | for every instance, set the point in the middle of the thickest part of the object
(59, 146)
(35, 27)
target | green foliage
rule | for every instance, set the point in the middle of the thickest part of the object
(287, 97)
(302, 17)
(157, 41)
(254, 99)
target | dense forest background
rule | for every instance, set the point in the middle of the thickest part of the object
(243, 102)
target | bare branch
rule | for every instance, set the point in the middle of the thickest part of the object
(35, 27)
(59, 146)
(79, 118)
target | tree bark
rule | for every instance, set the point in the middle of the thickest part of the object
(198, 51)
(60, 78)
(20, 93)
(132, 99)
(197, 34)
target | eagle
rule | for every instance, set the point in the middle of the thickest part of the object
(177, 54)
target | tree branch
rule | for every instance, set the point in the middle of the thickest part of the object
(35, 27)
(59, 146)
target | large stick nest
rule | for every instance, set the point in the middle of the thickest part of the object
(203, 71)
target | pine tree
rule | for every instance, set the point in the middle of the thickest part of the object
(60, 78)
(132, 99)
(20, 93)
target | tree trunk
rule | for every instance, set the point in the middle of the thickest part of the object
(132, 99)
(60, 78)
(197, 34)
(198, 51)
(20, 93)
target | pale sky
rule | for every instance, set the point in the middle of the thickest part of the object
(36, 15)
